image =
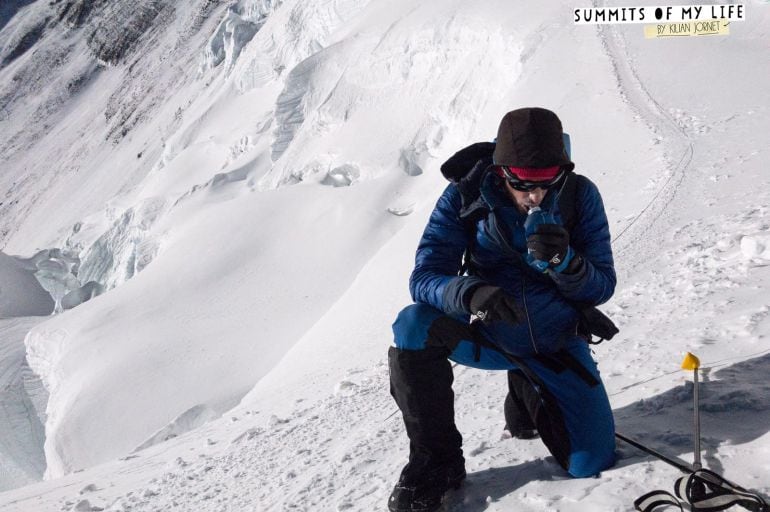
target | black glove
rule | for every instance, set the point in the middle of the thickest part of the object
(550, 243)
(492, 304)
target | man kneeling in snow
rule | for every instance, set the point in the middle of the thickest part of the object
(528, 272)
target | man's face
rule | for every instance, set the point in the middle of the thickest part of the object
(526, 200)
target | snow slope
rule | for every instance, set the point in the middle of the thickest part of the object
(258, 253)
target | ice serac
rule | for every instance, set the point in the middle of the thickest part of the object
(58, 273)
(242, 21)
(20, 293)
(82, 294)
(290, 107)
(124, 249)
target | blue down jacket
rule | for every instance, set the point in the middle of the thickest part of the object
(497, 259)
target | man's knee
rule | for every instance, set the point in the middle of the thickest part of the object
(594, 446)
(573, 417)
(584, 464)
(410, 330)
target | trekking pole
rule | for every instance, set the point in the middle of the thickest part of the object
(693, 363)
(681, 466)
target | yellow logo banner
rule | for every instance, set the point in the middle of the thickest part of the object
(687, 29)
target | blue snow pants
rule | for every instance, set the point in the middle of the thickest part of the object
(580, 411)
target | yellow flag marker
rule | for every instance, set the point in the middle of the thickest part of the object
(693, 363)
(690, 362)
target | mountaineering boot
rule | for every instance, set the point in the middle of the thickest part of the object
(421, 384)
(517, 418)
(428, 494)
(536, 412)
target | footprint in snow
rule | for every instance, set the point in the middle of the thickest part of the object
(248, 435)
(401, 211)
(345, 388)
(89, 488)
(85, 506)
(479, 449)
(274, 421)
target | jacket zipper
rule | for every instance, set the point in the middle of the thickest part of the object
(523, 282)
(526, 312)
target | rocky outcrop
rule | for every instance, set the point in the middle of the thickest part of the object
(122, 25)
(24, 42)
(76, 13)
(9, 8)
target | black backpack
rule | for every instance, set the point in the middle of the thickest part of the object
(466, 170)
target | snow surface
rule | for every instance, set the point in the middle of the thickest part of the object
(247, 184)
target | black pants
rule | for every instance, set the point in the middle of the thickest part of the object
(572, 415)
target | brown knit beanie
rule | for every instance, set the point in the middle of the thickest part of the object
(531, 138)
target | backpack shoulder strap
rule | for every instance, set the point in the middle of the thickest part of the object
(568, 198)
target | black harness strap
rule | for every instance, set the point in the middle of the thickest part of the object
(556, 362)
(654, 499)
(562, 360)
(568, 200)
(569, 362)
(704, 491)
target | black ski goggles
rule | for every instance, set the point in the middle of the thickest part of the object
(526, 185)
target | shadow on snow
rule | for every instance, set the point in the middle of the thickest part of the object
(735, 409)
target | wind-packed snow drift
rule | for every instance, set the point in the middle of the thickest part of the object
(244, 184)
